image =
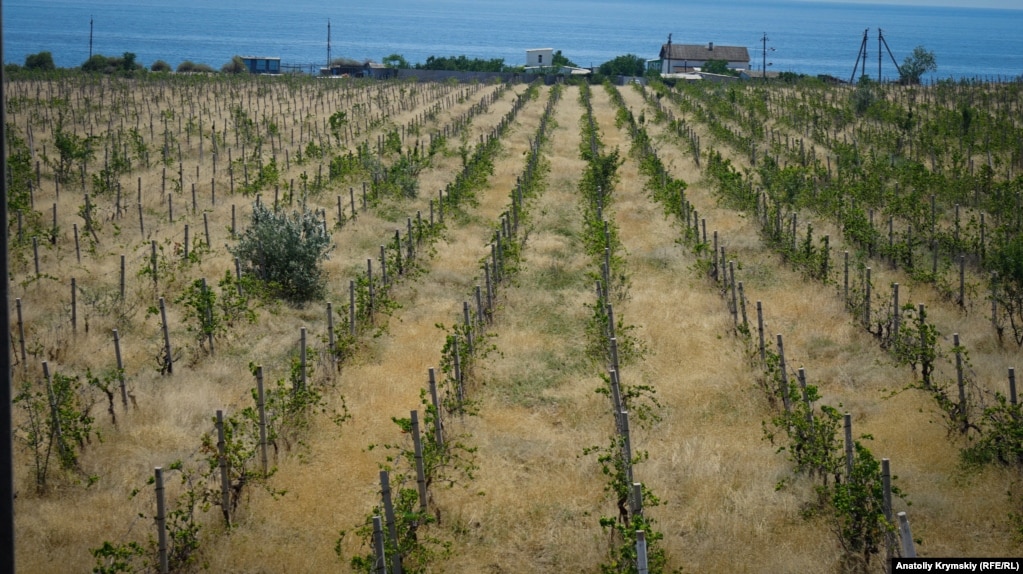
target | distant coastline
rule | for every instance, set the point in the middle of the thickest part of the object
(803, 37)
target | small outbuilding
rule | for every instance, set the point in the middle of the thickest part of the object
(262, 65)
(540, 58)
(687, 58)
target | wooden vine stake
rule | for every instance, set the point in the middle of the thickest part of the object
(847, 427)
(74, 305)
(886, 504)
(351, 308)
(438, 425)
(54, 413)
(960, 380)
(209, 313)
(760, 331)
(21, 335)
(302, 356)
(417, 443)
(784, 375)
(120, 369)
(742, 308)
(735, 300)
(1012, 386)
(392, 528)
(330, 336)
(152, 263)
(122, 278)
(225, 479)
(168, 365)
(261, 408)
(161, 521)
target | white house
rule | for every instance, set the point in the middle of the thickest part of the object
(683, 58)
(539, 57)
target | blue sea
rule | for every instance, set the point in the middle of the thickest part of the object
(811, 37)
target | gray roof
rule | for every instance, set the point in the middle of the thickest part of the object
(703, 52)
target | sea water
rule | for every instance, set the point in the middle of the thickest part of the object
(810, 37)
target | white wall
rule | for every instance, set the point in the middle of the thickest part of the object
(539, 57)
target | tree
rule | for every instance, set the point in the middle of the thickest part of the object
(125, 65)
(396, 61)
(96, 63)
(462, 64)
(235, 66)
(43, 61)
(718, 67)
(627, 65)
(160, 66)
(560, 60)
(920, 62)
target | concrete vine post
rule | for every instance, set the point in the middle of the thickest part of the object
(626, 446)
(642, 566)
(908, 548)
(380, 559)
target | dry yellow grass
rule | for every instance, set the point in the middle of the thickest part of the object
(849, 369)
(541, 497)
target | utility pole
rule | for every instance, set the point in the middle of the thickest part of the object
(763, 57)
(90, 37)
(861, 55)
(328, 45)
(881, 40)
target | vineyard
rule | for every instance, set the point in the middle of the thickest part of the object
(278, 324)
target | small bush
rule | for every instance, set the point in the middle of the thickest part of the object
(284, 252)
(235, 66)
(43, 61)
(189, 66)
(161, 66)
